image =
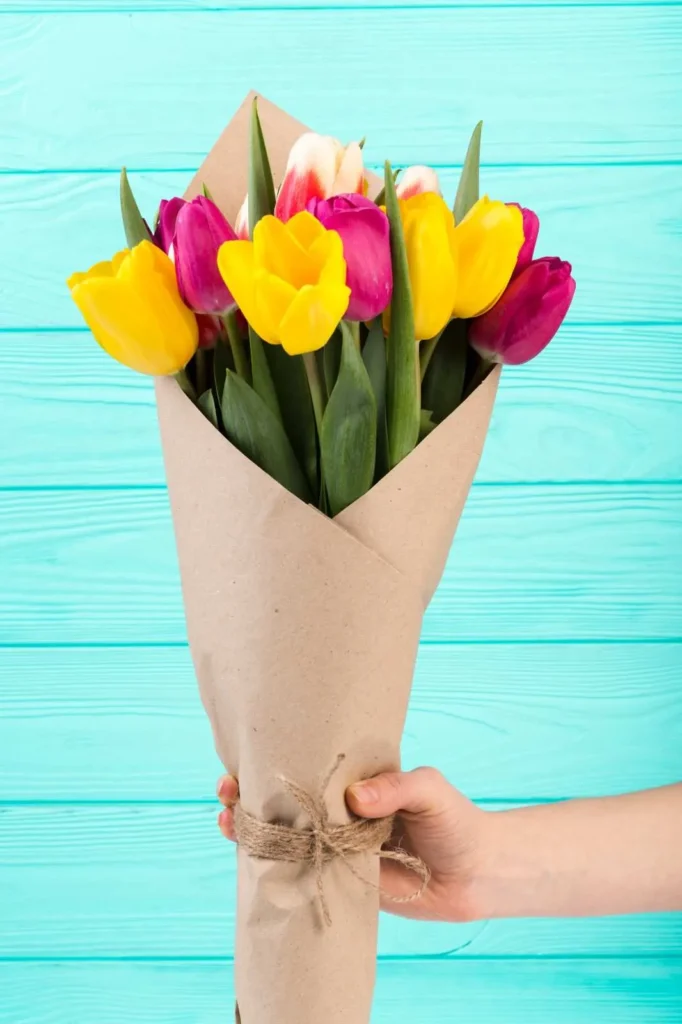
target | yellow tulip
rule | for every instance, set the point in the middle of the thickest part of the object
(488, 243)
(290, 282)
(133, 307)
(429, 230)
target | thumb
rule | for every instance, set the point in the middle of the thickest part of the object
(421, 792)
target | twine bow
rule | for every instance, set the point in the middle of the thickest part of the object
(322, 842)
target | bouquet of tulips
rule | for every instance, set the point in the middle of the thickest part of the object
(328, 344)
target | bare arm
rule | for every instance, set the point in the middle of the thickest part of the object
(617, 855)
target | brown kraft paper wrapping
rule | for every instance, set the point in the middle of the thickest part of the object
(304, 633)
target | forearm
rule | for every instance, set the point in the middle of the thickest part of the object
(618, 855)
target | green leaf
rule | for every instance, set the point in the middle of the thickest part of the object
(206, 191)
(222, 362)
(253, 428)
(380, 198)
(331, 359)
(206, 403)
(426, 424)
(349, 430)
(296, 408)
(374, 358)
(402, 395)
(260, 372)
(182, 377)
(261, 185)
(443, 387)
(134, 224)
(467, 190)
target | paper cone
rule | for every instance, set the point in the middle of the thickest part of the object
(304, 633)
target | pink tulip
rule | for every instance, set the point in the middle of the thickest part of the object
(319, 167)
(531, 229)
(528, 314)
(200, 230)
(415, 180)
(364, 231)
(168, 215)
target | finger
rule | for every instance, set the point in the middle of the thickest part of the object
(226, 825)
(420, 792)
(228, 790)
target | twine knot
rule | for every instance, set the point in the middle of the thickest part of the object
(321, 842)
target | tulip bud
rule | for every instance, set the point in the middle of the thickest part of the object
(168, 215)
(365, 234)
(319, 167)
(133, 308)
(416, 180)
(241, 225)
(200, 230)
(528, 314)
(531, 229)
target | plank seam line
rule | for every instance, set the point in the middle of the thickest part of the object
(449, 956)
(625, 641)
(8, 172)
(243, 8)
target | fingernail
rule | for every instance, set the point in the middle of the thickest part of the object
(223, 821)
(221, 784)
(364, 792)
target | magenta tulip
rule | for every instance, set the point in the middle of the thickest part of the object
(528, 314)
(531, 229)
(200, 230)
(364, 231)
(168, 215)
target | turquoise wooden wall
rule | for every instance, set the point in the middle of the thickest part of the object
(551, 663)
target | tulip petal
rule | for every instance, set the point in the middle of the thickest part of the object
(277, 250)
(305, 228)
(236, 263)
(327, 255)
(241, 225)
(416, 180)
(350, 174)
(488, 243)
(106, 268)
(313, 317)
(432, 275)
(273, 297)
(130, 330)
(310, 173)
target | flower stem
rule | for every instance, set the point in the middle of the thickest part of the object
(201, 368)
(354, 328)
(317, 395)
(426, 351)
(479, 375)
(316, 390)
(236, 341)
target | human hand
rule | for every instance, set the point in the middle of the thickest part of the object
(434, 821)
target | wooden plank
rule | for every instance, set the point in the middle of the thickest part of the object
(121, 881)
(523, 721)
(484, 992)
(590, 408)
(212, 6)
(529, 563)
(590, 99)
(589, 214)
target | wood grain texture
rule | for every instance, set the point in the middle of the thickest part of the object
(517, 992)
(528, 563)
(560, 83)
(159, 882)
(213, 6)
(522, 721)
(621, 227)
(589, 408)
